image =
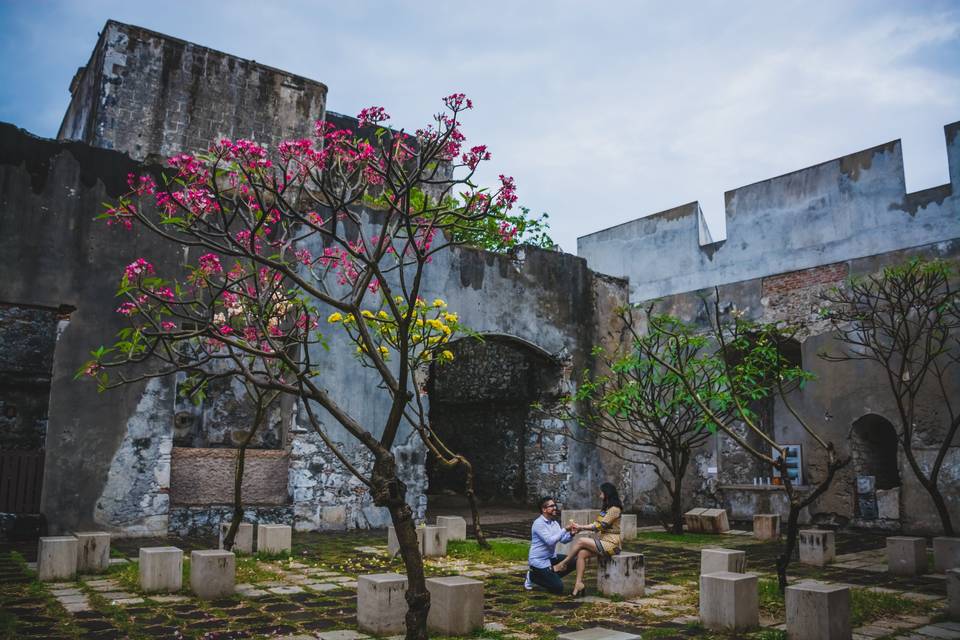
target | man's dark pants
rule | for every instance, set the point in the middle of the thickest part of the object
(548, 578)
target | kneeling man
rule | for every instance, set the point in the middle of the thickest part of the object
(545, 534)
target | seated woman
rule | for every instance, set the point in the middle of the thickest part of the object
(606, 544)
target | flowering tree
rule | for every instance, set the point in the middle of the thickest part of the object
(904, 320)
(338, 227)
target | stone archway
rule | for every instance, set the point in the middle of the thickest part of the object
(480, 405)
(874, 451)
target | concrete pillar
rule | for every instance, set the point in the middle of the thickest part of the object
(381, 606)
(946, 554)
(766, 526)
(817, 547)
(57, 558)
(628, 526)
(953, 594)
(455, 525)
(714, 521)
(434, 542)
(456, 605)
(715, 560)
(213, 573)
(161, 569)
(93, 551)
(393, 544)
(243, 541)
(621, 575)
(729, 601)
(818, 612)
(906, 556)
(274, 538)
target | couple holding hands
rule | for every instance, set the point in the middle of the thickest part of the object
(547, 567)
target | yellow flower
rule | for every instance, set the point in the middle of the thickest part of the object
(334, 317)
(398, 299)
(446, 330)
(383, 315)
(447, 355)
(439, 303)
(451, 317)
(366, 313)
(383, 350)
(415, 338)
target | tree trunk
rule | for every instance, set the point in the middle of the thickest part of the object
(228, 540)
(787, 554)
(390, 492)
(676, 509)
(474, 510)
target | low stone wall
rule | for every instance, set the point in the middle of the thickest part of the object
(205, 476)
(203, 521)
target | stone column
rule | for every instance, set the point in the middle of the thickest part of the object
(456, 605)
(729, 601)
(628, 526)
(766, 526)
(817, 611)
(906, 556)
(161, 569)
(381, 604)
(817, 547)
(622, 574)
(433, 542)
(714, 560)
(93, 551)
(213, 573)
(243, 541)
(946, 553)
(57, 558)
(455, 525)
(274, 538)
(393, 544)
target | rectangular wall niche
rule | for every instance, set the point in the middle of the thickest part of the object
(205, 476)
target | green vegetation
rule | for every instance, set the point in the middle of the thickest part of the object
(692, 539)
(501, 550)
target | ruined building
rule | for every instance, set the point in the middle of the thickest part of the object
(140, 461)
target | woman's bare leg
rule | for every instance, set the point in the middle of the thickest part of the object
(579, 544)
(582, 558)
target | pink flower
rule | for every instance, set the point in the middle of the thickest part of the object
(168, 325)
(476, 155)
(508, 192)
(138, 267)
(458, 102)
(165, 293)
(210, 264)
(92, 369)
(127, 309)
(372, 116)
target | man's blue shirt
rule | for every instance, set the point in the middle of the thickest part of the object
(544, 536)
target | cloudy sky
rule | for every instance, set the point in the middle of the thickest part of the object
(603, 111)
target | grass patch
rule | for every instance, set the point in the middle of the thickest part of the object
(250, 570)
(867, 606)
(684, 539)
(771, 600)
(500, 550)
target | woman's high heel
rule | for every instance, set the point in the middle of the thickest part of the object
(579, 589)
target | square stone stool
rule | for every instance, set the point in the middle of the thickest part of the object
(714, 560)
(455, 525)
(598, 633)
(381, 606)
(456, 605)
(93, 551)
(906, 556)
(766, 526)
(817, 547)
(393, 544)
(817, 611)
(161, 569)
(622, 575)
(953, 594)
(628, 526)
(691, 520)
(213, 573)
(729, 601)
(580, 516)
(433, 544)
(946, 554)
(243, 541)
(714, 521)
(274, 538)
(57, 558)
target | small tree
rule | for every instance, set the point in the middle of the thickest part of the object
(340, 226)
(750, 362)
(904, 320)
(641, 408)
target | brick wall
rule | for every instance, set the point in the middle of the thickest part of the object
(787, 282)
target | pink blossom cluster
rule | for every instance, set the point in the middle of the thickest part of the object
(210, 264)
(476, 155)
(508, 232)
(189, 167)
(137, 268)
(247, 153)
(458, 102)
(372, 116)
(507, 196)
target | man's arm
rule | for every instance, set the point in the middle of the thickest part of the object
(550, 535)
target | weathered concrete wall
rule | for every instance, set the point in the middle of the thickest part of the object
(205, 476)
(841, 394)
(852, 207)
(149, 94)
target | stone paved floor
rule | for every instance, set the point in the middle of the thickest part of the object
(313, 594)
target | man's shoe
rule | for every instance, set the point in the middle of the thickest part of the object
(527, 583)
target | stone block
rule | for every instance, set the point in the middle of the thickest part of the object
(274, 538)
(888, 504)
(628, 526)
(57, 558)
(93, 551)
(243, 541)
(393, 544)
(714, 521)
(906, 556)
(817, 547)
(621, 575)
(817, 611)
(381, 606)
(455, 525)
(691, 520)
(766, 526)
(433, 543)
(580, 516)
(717, 560)
(213, 573)
(456, 605)
(953, 594)
(729, 601)
(161, 569)
(598, 633)
(946, 554)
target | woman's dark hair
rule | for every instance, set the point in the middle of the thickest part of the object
(610, 496)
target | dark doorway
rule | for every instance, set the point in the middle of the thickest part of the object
(480, 406)
(874, 450)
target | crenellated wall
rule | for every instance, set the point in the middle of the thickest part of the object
(850, 207)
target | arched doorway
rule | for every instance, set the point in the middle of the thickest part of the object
(480, 406)
(873, 449)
